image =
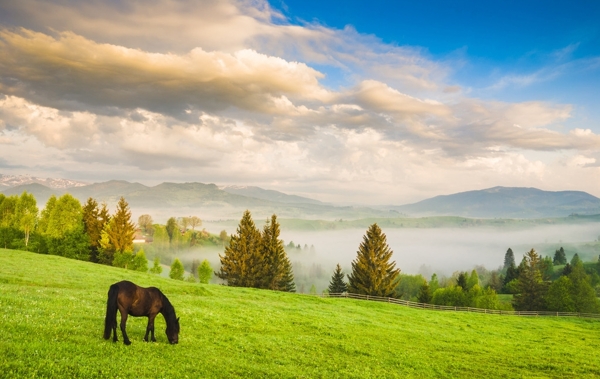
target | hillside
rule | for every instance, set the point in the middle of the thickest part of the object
(53, 311)
(506, 202)
(271, 195)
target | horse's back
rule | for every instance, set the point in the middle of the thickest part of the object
(138, 301)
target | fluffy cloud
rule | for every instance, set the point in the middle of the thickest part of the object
(226, 93)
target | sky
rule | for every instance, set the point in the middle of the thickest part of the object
(354, 102)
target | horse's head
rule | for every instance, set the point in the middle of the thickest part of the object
(173, 331)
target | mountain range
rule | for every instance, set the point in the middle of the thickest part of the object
(213, 202)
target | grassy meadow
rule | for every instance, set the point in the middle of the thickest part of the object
(52, 313)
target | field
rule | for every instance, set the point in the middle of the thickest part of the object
(52, 314)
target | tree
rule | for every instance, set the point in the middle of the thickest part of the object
(45, 215)
(140, 263)
(171, 227)
(372, 271)
(205, 272)
(278, 270)
(473, 280)
(26, 214)
(547, 268)
(242, 264)
(194, 222)
(495, 282)
(122, 229)
(434, 283)
(145, 222)
(408, 286)
(94, 221)
(559, 257)
(461, 281)
(509, 259)
(424, 295)
(575, 260)
(337, 284)
(583, 294)
(558, 298)
(531, 287)
(156, 268)
(66, 215)
(223, 237)
(177, 270)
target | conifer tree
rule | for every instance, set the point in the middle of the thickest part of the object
(434, 283)
(156, 267)
(94, 221)
(424, 295)
(372, 271)
(277, 274)
(117, 235)
(509, 259)
(337, 284)
(559, 257)
(461, 281)
(242, 262)
(205, 272)
(531, 287)
(177, 270)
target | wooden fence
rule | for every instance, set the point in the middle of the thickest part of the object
(412, 304)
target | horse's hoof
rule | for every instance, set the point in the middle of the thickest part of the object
(127, 343)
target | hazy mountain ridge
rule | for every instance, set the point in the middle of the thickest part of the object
(8, 181)
(506, 202)
(271, 195)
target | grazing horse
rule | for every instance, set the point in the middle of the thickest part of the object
(131, 299)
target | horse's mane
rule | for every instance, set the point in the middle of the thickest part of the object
(168, 310)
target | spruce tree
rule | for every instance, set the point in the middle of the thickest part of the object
(424, 295)
(277, 273)
(531, 287)
(122, 229)
(559, 257)
(93, 226)
(509, 259)
(205, 272)
(372, 271)
(337, 284)
(156, 267)
(177, 270)
(242, 262)
(461, 281)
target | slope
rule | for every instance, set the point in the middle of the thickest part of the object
(506, 202)
(53, 313)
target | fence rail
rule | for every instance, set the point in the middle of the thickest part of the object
(412, 304)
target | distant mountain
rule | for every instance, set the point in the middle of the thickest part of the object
(8, 181)
(270, 195)
(205, 200)
(505, 202)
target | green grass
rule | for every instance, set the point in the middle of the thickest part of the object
(52, 314)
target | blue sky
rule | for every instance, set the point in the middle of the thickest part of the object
(378, 102)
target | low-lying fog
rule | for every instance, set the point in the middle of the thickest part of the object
(438, 250)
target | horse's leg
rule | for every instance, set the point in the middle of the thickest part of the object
(126, 340)
(150, 327)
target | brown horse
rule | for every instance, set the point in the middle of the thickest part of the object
(131, 299)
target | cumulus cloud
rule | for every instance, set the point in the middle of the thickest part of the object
(228, 93)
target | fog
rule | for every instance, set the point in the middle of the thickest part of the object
(444, 250)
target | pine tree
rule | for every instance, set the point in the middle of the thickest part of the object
(278, 269)
(242, 262)
(461, 281)
(177, 270)
(473, 280)
(531, 287)
(205, 272)
(337, 284)
(121, 229)
(559, 257)
(372, 271)
(424, 295)
(156, 268)
(575, 260)
(509, 259)
(93, 225)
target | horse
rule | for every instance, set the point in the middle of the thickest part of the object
(131, 299)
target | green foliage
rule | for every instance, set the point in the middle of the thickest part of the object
(26, 215)
(205, 272)
(177, 270)
(559, 257)
(145, 223)
(278, 273)
(450, 296)
(242, 264)
(575, 260)
(531, 287)
(583, 294)
(65, 217)
(473, 280)
(372, 271)
(140, 262)
(461, 281)
(337, 284)
(409, 286)
(424, 295)
(509, 259)
(172, 228)
(495, 282)
(73, 244)
(547, 268)
(156, 267)
(558, 298)
(434, 283)
(120, 229)
(123, 259)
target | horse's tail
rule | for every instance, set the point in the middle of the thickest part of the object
(110, 321)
